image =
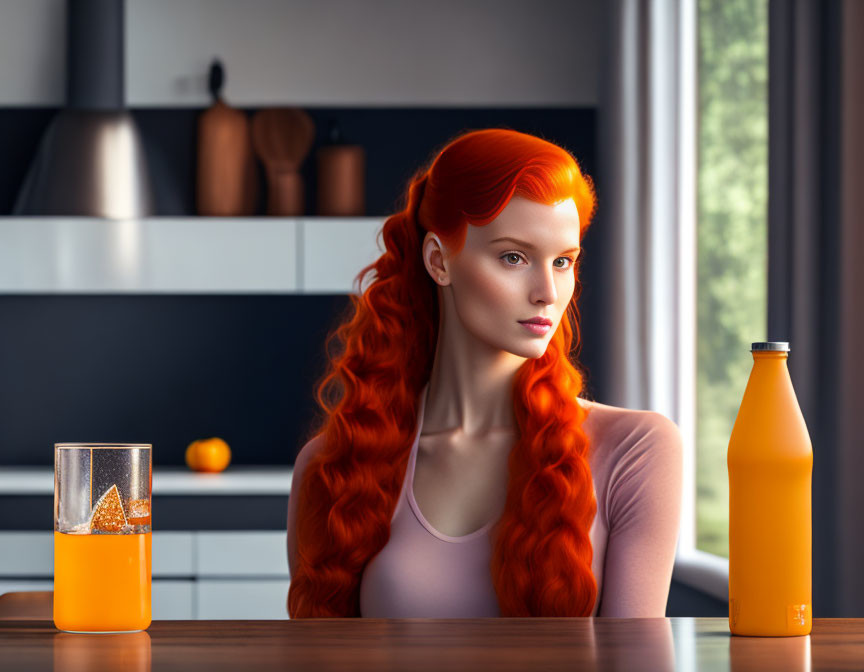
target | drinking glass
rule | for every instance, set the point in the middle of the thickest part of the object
(102, 536)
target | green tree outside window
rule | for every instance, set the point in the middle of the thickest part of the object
(732, 239)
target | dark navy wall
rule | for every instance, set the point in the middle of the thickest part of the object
(396, 141)
(160, 369)
(686, 601)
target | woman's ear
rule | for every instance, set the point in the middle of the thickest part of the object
(435, 259)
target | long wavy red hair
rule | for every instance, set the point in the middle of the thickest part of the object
(381, 356)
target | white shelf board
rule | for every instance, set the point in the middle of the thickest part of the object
(185, 254)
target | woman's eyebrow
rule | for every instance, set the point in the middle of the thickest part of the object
(526, 244)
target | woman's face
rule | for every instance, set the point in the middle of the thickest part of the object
(496, 285)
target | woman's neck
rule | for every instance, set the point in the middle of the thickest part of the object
(470, 387)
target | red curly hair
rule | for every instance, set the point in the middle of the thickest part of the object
(381, 356)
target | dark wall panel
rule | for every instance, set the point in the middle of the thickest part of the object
(162, 370)
(396, 141)
(686, 601)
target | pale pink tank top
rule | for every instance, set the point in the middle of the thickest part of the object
(422, 573)
(637, 471)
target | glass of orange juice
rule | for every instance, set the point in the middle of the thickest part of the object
(102, 536)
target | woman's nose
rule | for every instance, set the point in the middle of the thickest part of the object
(544, 289)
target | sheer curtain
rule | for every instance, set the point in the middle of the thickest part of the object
(647, 206)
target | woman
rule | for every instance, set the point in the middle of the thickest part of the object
(456, 471)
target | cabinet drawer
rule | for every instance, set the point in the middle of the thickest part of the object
(254, 554)
(250, 599)
(173, 600)
(173, 553)
(29, 554)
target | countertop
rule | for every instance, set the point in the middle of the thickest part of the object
(235, 480)
(656, 644)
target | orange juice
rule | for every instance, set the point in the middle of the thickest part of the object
(102, 582)
(770, 462)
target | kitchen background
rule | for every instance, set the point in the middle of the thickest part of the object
(170, 326)
(172, 367)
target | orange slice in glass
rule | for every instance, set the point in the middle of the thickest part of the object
(108, 514)
(138, 511)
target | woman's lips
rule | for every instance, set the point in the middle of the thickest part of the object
(535, 328)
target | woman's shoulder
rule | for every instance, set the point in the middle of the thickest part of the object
(617, 431)
(631, 418)
(637, 462)
(311, 448)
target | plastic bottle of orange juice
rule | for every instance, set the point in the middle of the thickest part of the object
(770, 462)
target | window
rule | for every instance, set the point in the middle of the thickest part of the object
(732, 238)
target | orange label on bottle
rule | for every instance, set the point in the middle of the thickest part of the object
(796, 614)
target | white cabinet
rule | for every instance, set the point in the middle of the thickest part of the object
(252, 554)
(242, 575)
(332, 251)
(26, 555)
(196, 575)
(325, 53)
(372, 53)
(197, 255)
(248, 599)
(173, 600)
(173, 554)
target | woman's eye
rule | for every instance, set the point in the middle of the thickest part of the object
(515, 257)
(512, 255)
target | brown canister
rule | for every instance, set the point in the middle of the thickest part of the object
(341, 177)
(226, 179)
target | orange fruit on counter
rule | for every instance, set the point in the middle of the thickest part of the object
(208, 455)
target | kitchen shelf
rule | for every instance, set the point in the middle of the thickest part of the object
(180, 255)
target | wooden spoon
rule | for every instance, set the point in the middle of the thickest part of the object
(282, 138)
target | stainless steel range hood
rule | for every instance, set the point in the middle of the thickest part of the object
(91, 159)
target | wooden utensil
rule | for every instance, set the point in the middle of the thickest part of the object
(226, 180)
(282, 138)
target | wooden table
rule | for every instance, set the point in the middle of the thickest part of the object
(655, 644)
